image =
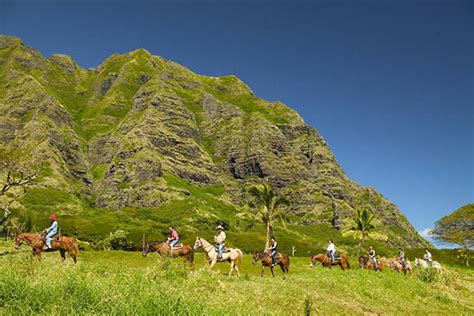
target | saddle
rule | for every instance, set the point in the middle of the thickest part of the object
(56, 237)
(178, 246)
(225, 250)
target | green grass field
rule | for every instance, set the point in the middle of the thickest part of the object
(114, 282)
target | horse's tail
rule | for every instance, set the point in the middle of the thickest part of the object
(191, 256)
(75, 246)
(240, 256)
(348, 264)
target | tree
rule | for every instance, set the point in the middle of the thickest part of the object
(15, 178)
(268, 208)
(457, 228)
(363, 227)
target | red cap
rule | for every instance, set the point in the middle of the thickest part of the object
(52, 217)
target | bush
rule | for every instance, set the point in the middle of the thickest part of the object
(117, 241)
(427, 275)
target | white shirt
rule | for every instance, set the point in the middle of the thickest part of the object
(427, 255)
(220, 237)
(331, 247)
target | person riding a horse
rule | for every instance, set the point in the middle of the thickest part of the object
(273, 250)
(331, 250)
(373, 257)
(428, 258)
(172, 239)
(51, 231)
(219, 240)
(401, 258)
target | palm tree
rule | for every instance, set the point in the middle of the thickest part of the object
(363, 227)
(268, 205)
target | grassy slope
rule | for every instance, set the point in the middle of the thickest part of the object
(120, 282)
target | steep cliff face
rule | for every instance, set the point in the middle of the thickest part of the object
(141, 141)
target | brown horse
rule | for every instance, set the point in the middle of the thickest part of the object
(281, 259)
(396, 265)
(163, 248)
(366, 263)
(339, 260)
(36, 242)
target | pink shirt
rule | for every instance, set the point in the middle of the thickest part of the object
(174, 234)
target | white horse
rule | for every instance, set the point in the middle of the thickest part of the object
(234, 256)
(424, 264)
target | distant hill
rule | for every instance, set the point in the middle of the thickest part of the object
(140, 142)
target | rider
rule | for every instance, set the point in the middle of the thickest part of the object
(373, 257)
(172, 239)
(427, 257)
(51, 231)
(331, 250)
(219, 240)
(273, 249)
(401, 257)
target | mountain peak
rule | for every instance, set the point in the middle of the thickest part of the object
(9, 41)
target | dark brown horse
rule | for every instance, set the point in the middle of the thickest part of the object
(36, 242)
(281, 259)
(366, 263)
(339, 260)
(163, 248)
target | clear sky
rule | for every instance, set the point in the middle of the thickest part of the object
(389, 84)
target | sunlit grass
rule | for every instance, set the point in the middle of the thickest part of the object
(126, 283)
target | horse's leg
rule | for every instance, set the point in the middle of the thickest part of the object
(341, 265)
(282, 266)
(271, 269)
(63, 254)
(263, 269)
(212, 264)
(37, 253)
(237, 270)
(232, 265)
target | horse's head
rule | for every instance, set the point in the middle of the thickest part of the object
(197, 243)
(256, 257)
(319, 257)
(417, 262)
(146, 249)
(19, 239)
(362, 261)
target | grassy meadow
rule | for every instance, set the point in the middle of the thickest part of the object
(115, 282)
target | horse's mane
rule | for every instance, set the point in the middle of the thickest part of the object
(152, 243)
(29, 235)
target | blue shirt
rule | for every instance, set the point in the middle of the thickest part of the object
(53, 229)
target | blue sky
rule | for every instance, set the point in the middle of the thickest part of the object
(389, 84)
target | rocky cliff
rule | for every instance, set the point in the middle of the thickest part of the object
(140, 142)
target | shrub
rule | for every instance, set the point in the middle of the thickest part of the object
(117, 240)
(427, 275)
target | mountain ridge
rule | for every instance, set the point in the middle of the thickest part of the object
(139, 142)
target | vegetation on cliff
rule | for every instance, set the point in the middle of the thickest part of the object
(140, 142)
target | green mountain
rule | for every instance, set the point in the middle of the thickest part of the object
(141, 142)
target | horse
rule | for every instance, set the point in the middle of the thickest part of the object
(366, 263)
(385, 261)
(281, 259)
(424, 264)
(339, 260)
(233, 255)
(163, 248)
(396, 265)
(36, 242)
